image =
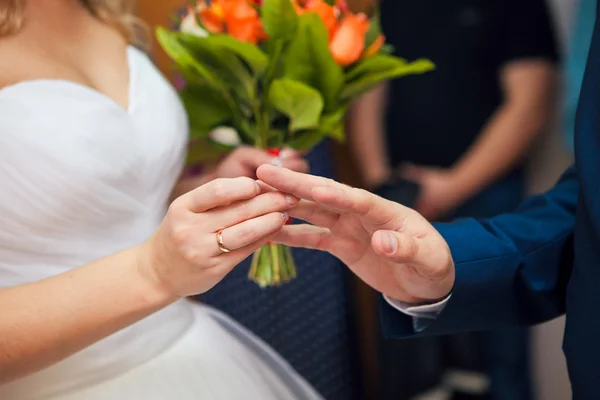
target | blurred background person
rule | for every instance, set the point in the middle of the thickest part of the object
(452, 143)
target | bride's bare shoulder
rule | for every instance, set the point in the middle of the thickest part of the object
(10, 63)
(4, 70)
(18, 62)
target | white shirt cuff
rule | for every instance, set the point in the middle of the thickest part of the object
(429, 311)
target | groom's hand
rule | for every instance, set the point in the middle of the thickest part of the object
(391, 247)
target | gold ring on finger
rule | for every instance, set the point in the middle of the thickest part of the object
(220, 243)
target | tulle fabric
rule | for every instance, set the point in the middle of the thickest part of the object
(210, 361)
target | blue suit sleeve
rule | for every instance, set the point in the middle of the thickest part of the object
(510, 270)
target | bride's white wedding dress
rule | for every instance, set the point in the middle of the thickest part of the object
(82, 178)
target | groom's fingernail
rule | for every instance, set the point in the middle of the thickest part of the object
(284, 216)
(390, 243)
(276, 162)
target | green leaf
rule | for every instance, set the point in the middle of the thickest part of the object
(333, 124)
(374, 29)
(225, 64)
(338, 132)
(374, 64)
(192, 70)
(309, 60)
(279, 19)
(274, 67)
(306, 140)
(301, 103)
(206, 109)
(251, 54)
(371, 71)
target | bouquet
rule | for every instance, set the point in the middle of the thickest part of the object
(275, 73)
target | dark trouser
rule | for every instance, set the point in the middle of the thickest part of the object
(413, 366)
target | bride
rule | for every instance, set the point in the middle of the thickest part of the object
(94, 270)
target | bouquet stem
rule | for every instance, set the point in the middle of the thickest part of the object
(272, 264)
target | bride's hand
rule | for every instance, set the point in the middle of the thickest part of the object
(183, 256)
(245, 160)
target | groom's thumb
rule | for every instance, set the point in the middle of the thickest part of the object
(398, 247)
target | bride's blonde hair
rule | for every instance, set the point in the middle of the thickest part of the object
(118, 13)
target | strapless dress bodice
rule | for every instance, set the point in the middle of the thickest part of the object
(82, 178)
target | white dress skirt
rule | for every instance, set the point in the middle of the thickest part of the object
(82, 178)
(214, 359)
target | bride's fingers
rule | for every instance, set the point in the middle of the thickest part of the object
(305, 236)
(253, 230)
(235, 213)
(219, 192)
(287, 153)
(296, 164)
(313, 213)
(230, 260)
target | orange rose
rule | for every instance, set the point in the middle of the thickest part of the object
(235, 17)
(212, 17)
(348, 41)
(346, 30)
(328, 14)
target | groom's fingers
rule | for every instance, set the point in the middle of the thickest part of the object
(264, 188)
(313, 213)
(430, 257)
(348, 200)
(332, 195)
(305, 236)
(373, 209)
(297, 184)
